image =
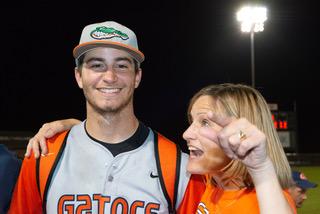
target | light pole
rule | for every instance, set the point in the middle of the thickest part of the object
(252, 19)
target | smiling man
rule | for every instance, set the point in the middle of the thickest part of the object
(107, 163)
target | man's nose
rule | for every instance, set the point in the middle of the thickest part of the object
(110, 75)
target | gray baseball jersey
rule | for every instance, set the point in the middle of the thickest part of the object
(88, 178)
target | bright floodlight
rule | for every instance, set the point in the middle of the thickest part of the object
(252, 18)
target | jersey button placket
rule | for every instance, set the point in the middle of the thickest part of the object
(110, 171)
(110, 178)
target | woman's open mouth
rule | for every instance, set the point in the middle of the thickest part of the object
(195, 152)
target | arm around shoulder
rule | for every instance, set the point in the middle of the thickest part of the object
(37, 144)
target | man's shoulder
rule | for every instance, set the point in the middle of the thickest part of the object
(58, 136)
(54, 143)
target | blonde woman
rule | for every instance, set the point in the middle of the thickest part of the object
(233, 142)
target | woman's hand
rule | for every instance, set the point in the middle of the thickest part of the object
(37, 144)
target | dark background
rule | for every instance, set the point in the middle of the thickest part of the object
(187, 44)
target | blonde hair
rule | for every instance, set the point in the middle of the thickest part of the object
(239, 101)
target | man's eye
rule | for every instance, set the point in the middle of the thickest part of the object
(122, 66)
(97, 66)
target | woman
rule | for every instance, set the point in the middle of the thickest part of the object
(233, 142)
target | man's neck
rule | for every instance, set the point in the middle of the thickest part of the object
(112, 127)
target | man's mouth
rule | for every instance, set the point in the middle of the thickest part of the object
(109, 90)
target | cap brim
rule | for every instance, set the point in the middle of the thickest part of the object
(306, 184)
(85, 47)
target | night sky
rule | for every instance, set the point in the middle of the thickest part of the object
(187, 44)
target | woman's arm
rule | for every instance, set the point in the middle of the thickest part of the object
(249, 147)
(37, 143)
(270, 195)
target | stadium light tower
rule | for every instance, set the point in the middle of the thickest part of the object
(252, 20)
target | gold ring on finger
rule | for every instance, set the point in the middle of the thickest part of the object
(242, 135)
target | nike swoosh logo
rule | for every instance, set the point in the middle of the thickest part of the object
(51, 153)
(154, 176)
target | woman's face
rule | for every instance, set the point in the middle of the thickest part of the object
(206, 157)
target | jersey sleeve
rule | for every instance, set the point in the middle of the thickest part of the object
(26, 198)
(192, 196)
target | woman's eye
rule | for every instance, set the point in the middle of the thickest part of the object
(205, 122)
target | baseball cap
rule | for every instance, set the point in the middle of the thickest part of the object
(108, 34)
(301, 180)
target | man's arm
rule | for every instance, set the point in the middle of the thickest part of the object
(37, 143)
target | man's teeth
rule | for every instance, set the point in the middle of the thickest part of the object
(109, 90)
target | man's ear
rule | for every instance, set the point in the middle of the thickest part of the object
(138, 78)
(77, 74)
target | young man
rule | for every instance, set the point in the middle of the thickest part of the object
(9, 171)
(107, 163)
(299, 190)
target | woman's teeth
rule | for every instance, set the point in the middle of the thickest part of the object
(195, 152)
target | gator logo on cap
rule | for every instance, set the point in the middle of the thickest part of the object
(107, 33)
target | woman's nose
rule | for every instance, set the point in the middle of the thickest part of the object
(188, 133)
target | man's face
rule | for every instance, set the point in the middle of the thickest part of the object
(108, 79)
(298, 194)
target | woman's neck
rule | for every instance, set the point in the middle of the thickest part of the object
(227, 183)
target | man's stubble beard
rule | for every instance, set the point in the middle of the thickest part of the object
(109, 110)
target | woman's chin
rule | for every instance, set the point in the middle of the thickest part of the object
(194, 168)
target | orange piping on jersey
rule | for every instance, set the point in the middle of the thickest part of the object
(168, 164)
(46, 162)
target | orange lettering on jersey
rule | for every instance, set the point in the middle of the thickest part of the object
(152, 207)
(135, 205)
(61, 204)
(84, 203)
(87, 206)
(116, 203)
(102, 200)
